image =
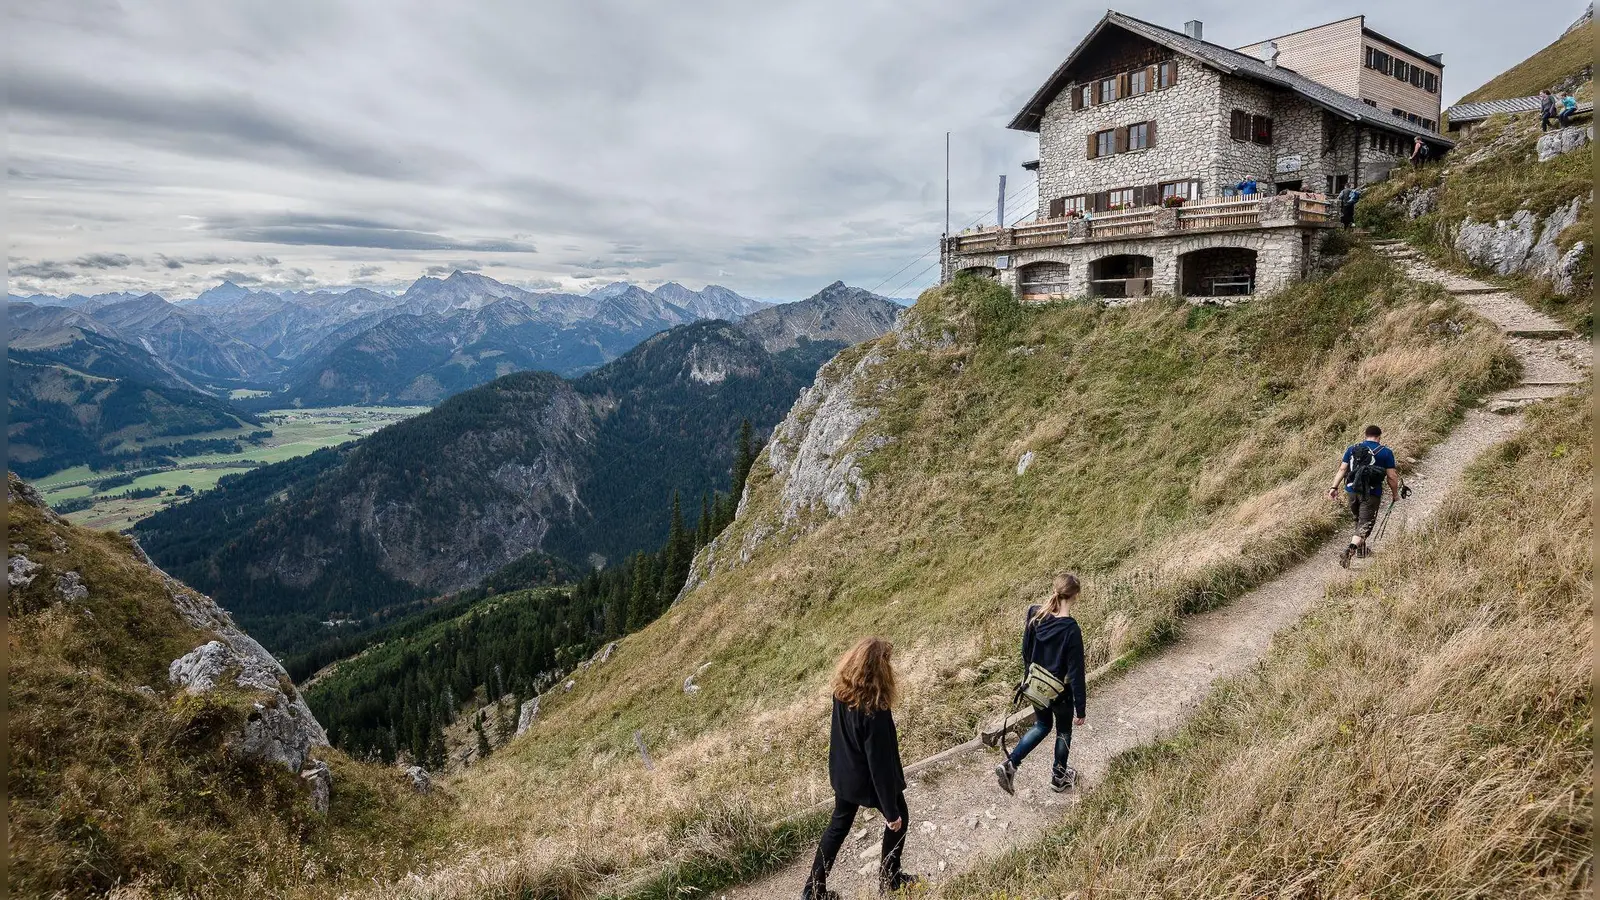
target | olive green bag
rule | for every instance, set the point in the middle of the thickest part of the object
(1041, 688)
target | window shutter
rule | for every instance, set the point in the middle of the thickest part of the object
(1172, 71)
(1122, 85)
(1058, 207)
(1092, 136)
(1077, 97)
(1150, 78)
(1152, 195)
(1236, 125)
(1261, 129)
(1150, 133)
(1120, 140)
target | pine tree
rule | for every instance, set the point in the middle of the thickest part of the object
(702, 531)
(483, 739)
(744, 460)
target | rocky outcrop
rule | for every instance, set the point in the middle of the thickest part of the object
(814, 451)
(1511, 247)
(1419, 202)
(1563, 141)
(526, 715)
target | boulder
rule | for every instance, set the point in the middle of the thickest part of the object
(70, 587)
(526, 715)
(1524, 245)
(1024, 463)
(279, 728)
(1420, 201)
(319, 783)
(1562, 141)
(421, 781)
(20, 571)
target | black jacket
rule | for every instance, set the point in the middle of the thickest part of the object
(864, 760)
(1057, 644)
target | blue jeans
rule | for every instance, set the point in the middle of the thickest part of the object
(1059, 717)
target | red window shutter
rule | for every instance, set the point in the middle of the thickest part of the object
(1150, 133)
(1058, 207)
(1120, 141)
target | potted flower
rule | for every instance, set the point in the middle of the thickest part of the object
(1172, 202)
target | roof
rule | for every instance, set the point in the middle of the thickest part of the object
(1483, 109)
(1228, 62)
(1434, 59)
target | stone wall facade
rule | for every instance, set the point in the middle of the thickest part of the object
(1193, 140)
(1283, 256)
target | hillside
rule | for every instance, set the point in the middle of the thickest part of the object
(584, 470)
(923, 489)
(1498, 206)
(155, 750)
(1429, 726)
(1564, 64)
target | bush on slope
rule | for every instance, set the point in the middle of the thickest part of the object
(1425, 732)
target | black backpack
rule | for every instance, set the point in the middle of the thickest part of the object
(1366, 473)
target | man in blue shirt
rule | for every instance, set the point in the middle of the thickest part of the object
(1363, 472)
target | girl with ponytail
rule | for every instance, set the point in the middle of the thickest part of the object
(1052, 657)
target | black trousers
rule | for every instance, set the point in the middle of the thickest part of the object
(844, 816)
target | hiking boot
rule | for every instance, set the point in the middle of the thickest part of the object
(1344, 558)
(818, 892)
(899, 881)
(1063, 779)
(1006, 774)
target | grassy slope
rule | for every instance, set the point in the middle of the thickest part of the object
(1425, 732)
(106, 785)
(1542, 70)
(1504, 177)
(1189, 443)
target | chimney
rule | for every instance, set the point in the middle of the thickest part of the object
(1272, 54)
(1192, 29)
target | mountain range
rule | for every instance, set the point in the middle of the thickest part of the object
(581, 469)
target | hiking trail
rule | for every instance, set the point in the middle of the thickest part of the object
(958, 814)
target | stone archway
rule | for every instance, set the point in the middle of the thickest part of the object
(1043, 281)
(1121, 275)
(1217, 272)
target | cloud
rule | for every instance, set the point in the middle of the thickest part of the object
(465, 265)
(104, 261)
(362, 273)
(327, 231)
(46, 270)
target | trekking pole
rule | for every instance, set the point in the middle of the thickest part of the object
(1385, 523)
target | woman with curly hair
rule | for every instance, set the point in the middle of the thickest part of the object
(864, 765)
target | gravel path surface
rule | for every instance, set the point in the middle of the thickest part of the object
(959, 814)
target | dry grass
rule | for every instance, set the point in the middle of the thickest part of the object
(109, 789)
(1189, 442)
(1425, 732)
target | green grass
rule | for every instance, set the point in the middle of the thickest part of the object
(1179, 460)
(1543, 70)
(295, 432)
(247, 394)
(1425, 731)
(1505, 178)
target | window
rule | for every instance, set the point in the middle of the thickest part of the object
(1430, 82)
(1188, 190)
(1086, 95)
(1121, 197)
(1337, 183)
(1167, 73)
(1261, 129)
(1399, 112)
(1401, 70)
(1379, 61)
(1371, 103)
(1139, 136)
(1072, 204)
(1108, 89)
(1138, 82)
(1102, 143)
(1239, 125)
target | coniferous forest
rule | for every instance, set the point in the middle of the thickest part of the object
(420, 674)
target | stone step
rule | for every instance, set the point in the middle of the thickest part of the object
(1536, 390)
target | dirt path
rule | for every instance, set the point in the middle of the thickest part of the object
(958, 814)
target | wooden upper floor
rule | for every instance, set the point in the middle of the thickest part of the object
(1353, 59)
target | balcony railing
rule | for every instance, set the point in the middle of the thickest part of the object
(1211, 215)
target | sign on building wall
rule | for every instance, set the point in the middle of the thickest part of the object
(1002, 262)
(1290, 163)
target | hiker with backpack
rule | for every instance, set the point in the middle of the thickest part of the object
(864, 766)
(1363, 472)
(1547, 110)
(1347, 206)
(1052, 660)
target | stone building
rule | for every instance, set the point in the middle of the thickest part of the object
(1168, 164)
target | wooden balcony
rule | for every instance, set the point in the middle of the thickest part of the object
(1278, 211)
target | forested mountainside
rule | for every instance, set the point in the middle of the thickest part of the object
(155, 750)
(77, 395)
(584, 470)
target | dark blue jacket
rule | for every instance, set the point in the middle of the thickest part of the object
(1056, 643)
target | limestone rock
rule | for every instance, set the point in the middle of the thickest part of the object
(20, 571)
(689, 686)
(319, 782)
(70, 587)
(146, 690)
(1509, 246)
(815, 451)
(421, 781)
(1567, 268)
(1024, 462)
(1562, 141)
(526, 715)
(280, 728)
(1420, 201)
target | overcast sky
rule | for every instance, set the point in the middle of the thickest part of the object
(768, 147)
